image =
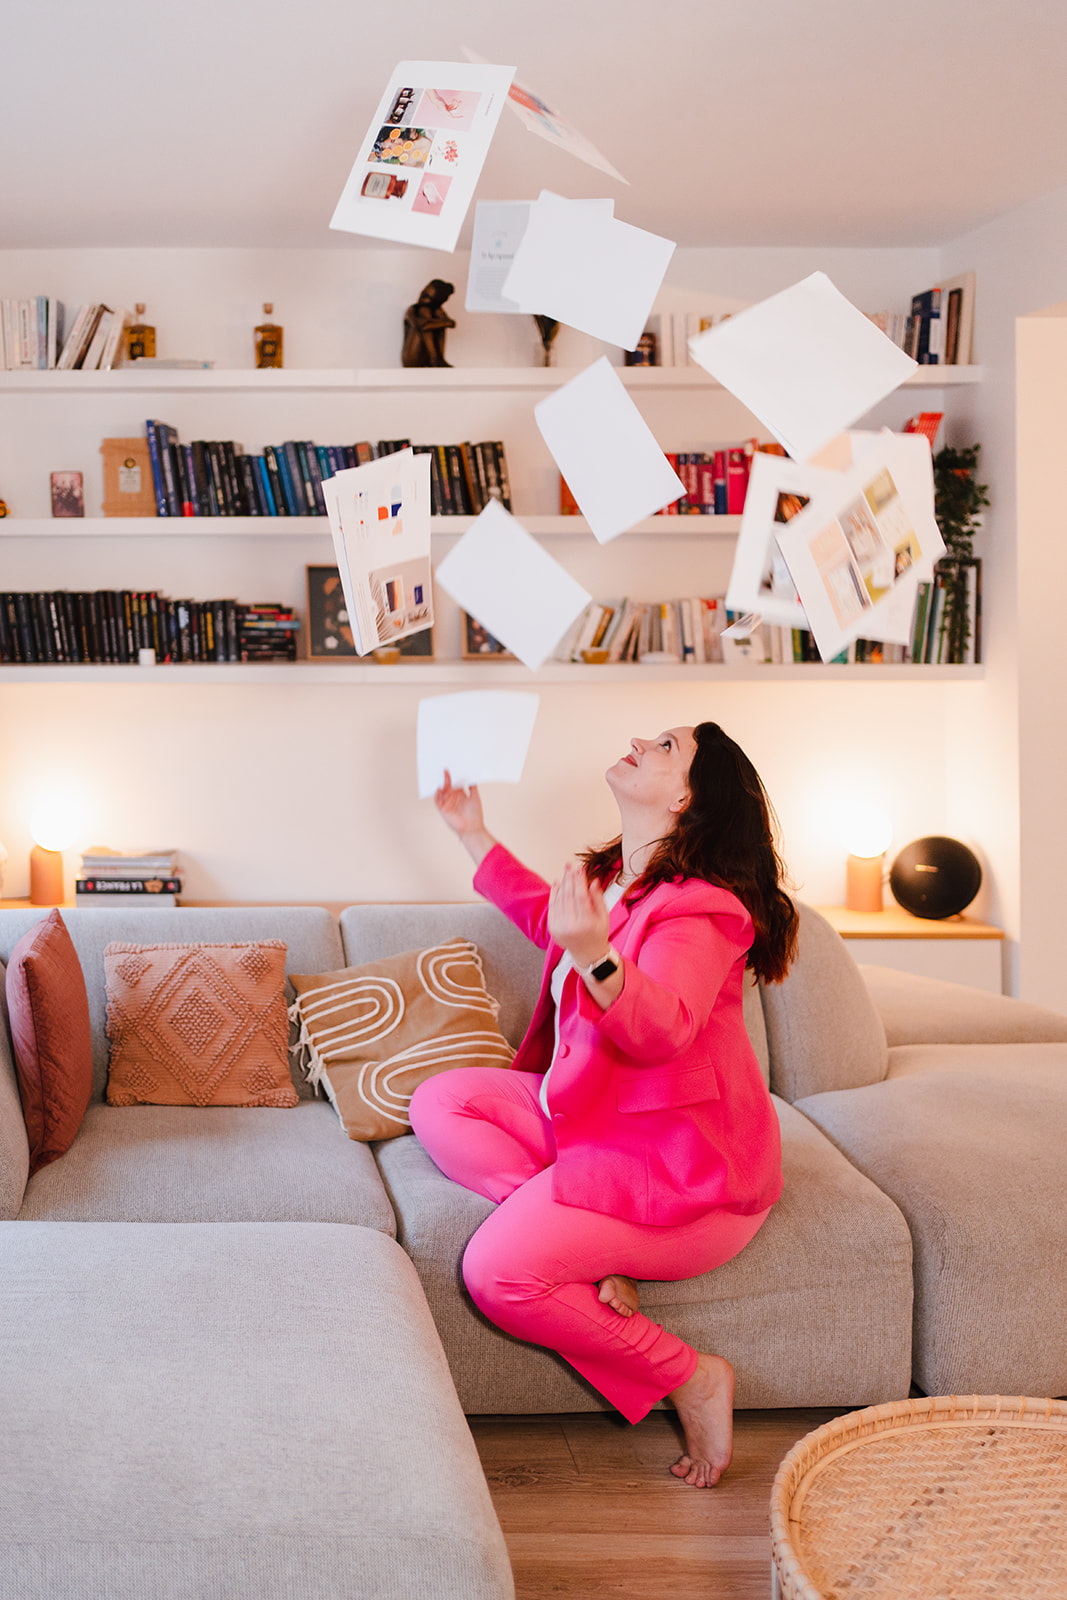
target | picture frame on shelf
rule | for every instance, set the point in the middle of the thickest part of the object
(68, 494)
(478, 644)
(329, 636)
(128, 487)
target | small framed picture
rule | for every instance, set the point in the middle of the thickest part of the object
(329, 632)
(479, 644)
(68, 495)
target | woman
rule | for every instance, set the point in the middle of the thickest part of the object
(633, 1135)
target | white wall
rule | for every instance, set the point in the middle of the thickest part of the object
(293, 792)
(1021, 266)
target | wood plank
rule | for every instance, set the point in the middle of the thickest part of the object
(589, 1507)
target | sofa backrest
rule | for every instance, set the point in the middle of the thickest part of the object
(311, 935)
(14, 1145)
(823, 1030)
(512, 964)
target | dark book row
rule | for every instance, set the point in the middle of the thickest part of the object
(216, 478)
(110, 626)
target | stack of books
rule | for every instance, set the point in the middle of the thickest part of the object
(266, 633)
(43, 333)
(217, 478)
(136, 878)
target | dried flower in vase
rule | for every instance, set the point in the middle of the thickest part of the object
(547, 327)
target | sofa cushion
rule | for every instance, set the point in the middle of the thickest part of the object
(372, 1034)
(815, 1311)
(14, 1144)
(918, 1010)
(198, 1024)
(823, 1031)
(48, 1013)
(312, 939)
(216, 1164)
(252, 1412)
(969, 1141)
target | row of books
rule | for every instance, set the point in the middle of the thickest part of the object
(45, 334)
(939, 328)
(128, 878)
(716, 481)
(665, 341)
(112, 627)
(216, 478)
(609, 631)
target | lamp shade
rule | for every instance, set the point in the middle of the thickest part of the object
(935, 877)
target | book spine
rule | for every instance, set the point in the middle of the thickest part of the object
(89, 885)
(263, 485)
(168, 438)
(7, 643)
(218, 629)
(230, 615)
(457, 481)
(313, 479)
(42, 332)
(502, 473)
(26, 631)
(249, 488)
(46, 650)
(205, 497)
(719, 482)
(156, 458)
(444, 473)
(471, 481)
(736, 481)
(232, 479)
(213, 461)
(191, 505)
(270, 461)
(295, 479)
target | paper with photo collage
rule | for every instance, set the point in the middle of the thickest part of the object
(867, 538)
(380, 521)
(417, 168)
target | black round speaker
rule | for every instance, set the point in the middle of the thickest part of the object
(935, 877)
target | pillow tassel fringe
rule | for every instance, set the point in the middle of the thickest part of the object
(304, 1051)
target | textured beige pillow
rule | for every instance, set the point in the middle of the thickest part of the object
(198, 1025)
(369, 1035)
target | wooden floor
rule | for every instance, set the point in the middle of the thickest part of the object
(589, 1509)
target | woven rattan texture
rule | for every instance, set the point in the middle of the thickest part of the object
(920, 1510)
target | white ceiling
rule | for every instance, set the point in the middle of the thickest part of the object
(738, 122)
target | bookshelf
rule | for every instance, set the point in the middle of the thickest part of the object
(53, 420)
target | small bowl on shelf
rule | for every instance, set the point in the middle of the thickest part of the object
(594, 658)
(387, 654)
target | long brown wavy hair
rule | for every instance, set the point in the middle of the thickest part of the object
(727, 836)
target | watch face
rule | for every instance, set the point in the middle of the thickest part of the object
(605, 968)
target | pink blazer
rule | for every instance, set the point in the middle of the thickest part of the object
(659, 1108)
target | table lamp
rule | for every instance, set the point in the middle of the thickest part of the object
(867, 837)
(52, 828)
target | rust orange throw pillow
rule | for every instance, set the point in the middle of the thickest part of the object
(49, 1011)
(369, 1035)
(198, 1025)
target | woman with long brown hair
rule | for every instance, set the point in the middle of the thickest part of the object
(633, 1135)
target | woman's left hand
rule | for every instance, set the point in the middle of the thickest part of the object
(578, 917)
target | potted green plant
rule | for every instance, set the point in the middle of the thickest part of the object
(958, 501)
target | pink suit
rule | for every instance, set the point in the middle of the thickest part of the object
(662, 1157)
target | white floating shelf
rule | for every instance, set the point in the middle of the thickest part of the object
(432, 380)
(308, 674)
(319, 528)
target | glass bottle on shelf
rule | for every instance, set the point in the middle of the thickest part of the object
(268, 340)
(140, 337)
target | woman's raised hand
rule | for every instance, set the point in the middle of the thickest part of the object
(461, 808)
(578, 917)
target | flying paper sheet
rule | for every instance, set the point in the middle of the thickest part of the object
(480, 737)
(538, 117)
(760, 582)
(417, 168)
(806, 362)
(859, 549)
(606, 451)
(588, 270)
(380, 521)
(502, 576)
(499, 226)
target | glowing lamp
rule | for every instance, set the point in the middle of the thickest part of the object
(52, 827)
(867, 838)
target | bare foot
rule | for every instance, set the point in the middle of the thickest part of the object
(620, 1294)
(706, 1407)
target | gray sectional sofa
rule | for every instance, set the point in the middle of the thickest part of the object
(235, 1349)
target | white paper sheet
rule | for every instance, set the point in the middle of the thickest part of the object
(606, 451)
(538, 117)
(805, 361)
(760, 582)
(479, 737)
(590, 271)
(380, 521)
(507, 582)
(499, 226)
(859, 550)
(417, 168)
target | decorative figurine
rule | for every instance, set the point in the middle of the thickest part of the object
(548, 329)
(3, 508)
(425, 326)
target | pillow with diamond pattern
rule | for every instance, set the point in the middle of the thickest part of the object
(198, 1025)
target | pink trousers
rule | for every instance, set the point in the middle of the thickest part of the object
(534, 1265)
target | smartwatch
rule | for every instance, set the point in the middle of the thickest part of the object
(603, 969)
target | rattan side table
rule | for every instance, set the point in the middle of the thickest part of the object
(952, 1498)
